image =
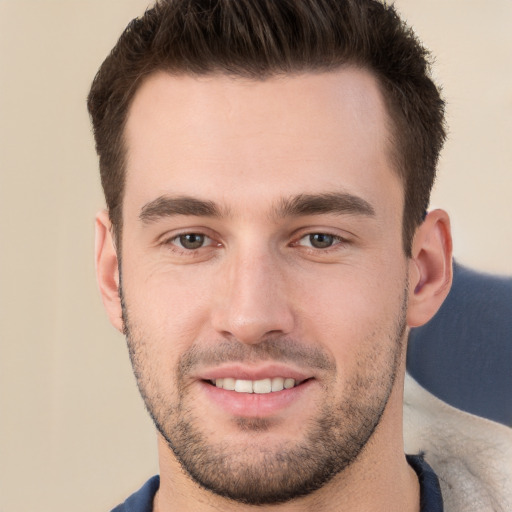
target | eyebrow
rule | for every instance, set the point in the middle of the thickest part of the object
(328, 203)
(295, 206)
(166, 206)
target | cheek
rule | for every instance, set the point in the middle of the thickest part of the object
(352, 309)
(167, 309)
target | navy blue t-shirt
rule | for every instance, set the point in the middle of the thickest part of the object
(430, 492)
(431, 499)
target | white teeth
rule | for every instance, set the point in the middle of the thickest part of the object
(255, 386)
(277, 384)
(228, 384)
(243, 386)
(262, 386)
(289, 383)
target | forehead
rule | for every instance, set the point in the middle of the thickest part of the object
(222, 138)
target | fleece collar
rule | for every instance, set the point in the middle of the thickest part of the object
(471, 456)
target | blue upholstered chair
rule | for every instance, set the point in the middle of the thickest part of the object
(464, 354)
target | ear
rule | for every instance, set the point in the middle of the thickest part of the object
(430, 268)
(107, 269)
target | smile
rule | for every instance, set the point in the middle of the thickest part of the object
(240, 394)
(255, 386)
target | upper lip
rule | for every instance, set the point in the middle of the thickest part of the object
(244, 372)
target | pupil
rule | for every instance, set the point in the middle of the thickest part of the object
(191, 241)
(321, 240)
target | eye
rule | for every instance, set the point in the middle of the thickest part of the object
(191, 241)
(319, 240)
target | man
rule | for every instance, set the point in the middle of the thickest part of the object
(267, 168)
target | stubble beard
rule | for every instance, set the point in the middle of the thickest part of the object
(257, 473)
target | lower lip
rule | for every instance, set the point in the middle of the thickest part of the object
(254, 405)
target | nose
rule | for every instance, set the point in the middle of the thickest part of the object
(253, 301)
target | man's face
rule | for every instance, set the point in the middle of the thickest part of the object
(262, 251)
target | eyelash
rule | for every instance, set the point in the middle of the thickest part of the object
(336, 242)
(171, 243)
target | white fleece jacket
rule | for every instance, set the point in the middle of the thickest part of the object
(472, 456)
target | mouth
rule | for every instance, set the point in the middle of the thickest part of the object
(256, 391)
(261, 386)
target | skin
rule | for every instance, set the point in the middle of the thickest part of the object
(244, 149)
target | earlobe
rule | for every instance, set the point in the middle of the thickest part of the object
(430, 268)
(107, 269)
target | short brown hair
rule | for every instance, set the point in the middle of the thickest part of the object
(262, 38)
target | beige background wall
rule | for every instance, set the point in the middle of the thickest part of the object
(73, 432)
